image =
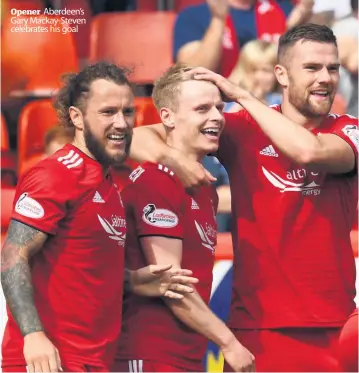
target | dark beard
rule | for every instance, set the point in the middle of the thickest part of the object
(303, 104)
(99, 152)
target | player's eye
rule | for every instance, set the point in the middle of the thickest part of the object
(129, 112)
(108, 112)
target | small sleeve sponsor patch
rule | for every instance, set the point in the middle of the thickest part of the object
(28, 207)
(351, 131)
(160, 218)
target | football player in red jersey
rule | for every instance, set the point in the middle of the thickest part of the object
(167, 225)
(294, 187)
(63, 258)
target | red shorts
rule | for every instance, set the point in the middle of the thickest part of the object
(68, 367)
(139, 366)
(348, 344)
(292, 349)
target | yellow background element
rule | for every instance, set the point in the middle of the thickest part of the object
(215, 363)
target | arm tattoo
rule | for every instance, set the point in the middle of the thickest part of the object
(21, 243)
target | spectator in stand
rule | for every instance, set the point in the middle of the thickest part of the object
(56, 137)
(224, 209)
(211, 34)
(327, 11)
(255, 73)
(346, 31)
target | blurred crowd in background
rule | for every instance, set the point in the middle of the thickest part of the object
(234, 37)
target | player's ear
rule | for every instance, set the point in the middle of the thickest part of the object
(167, 118)
(281, 74)
(76, 117)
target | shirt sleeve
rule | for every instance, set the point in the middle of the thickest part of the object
(187, 28)
(237, 124)
(40, 201)
(347, 129)
(157, 209)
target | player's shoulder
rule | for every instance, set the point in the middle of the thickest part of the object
(345, 123)
(244, 115)
(152, 174)
(63, 168)
(342, 118)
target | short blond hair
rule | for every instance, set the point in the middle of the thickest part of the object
(167, 88)
(253, 52)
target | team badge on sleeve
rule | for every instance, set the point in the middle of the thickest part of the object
(351, 131)
(28, 207)
(160, 218)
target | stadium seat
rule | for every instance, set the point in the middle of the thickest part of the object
(35, 119)
(146, 112)
(7, 5)
(146, 5)
(224, 248)
(8, 168)
(33, 62)
(7, 198)
(82, 37)
(138, 40)
(4, 134)
(339, 105)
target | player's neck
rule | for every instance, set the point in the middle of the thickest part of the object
(184, 149)
(296, 116)
(241, 4)
(83, 148)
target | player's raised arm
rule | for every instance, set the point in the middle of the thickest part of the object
(21, 244)
(148, 145)
(305, 65)
(192, 310)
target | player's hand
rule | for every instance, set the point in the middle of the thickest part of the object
(230, 91)
(191, 173)
(219, 8)
(162, 280)
(238, 357)
(301, 13)
(40, 354)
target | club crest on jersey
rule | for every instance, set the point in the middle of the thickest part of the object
(28, 207)
(161, 218)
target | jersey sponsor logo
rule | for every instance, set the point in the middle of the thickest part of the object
(71, 159)
(28, 207)
(306, 187)
(204, 233)
(136, 173)
(118, 222)
(112, 232)
(351, 131)
(97, 198)
(269, 151)
(161, 218)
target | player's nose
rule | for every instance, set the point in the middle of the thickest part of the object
(119, 121)
(324, 76)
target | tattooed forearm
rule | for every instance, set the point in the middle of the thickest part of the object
(21, 243)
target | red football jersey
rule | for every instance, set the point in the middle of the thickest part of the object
(293, 262)
(156, 204)
(78, 275)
